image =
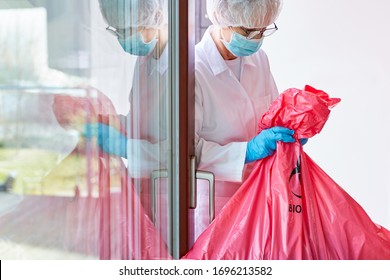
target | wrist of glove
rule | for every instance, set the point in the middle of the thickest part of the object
(264, 144)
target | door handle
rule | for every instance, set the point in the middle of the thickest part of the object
(202, 175)
(194, 175)
(156, 174)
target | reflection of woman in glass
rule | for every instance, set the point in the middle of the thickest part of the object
(141, 30)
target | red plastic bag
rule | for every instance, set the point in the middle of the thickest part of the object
(289, 208)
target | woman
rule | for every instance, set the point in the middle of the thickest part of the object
(234, 87)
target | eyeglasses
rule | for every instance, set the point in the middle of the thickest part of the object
(264, 32)
(121, 33)
(113, 31)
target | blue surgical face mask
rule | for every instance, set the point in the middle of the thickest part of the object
(241, 46)
(135, 44)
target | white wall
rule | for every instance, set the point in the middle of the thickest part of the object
(343, 48)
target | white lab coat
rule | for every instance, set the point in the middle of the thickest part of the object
(147, 120)
(226, 116)
(146, 126)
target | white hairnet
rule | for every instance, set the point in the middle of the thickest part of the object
(134, 13)
(245, 13)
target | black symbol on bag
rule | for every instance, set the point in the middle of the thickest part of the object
(297, 171)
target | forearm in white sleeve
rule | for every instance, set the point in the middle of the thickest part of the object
(144, 157)
(225, 161)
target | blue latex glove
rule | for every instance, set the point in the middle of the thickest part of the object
(110, 140)
(264, 144)
(303, 141)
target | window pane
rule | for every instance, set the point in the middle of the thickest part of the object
(83, 127)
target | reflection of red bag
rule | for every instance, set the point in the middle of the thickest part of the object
(124, 228)
(289, 208)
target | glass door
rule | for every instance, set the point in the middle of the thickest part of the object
(96, 129)
(141, 136)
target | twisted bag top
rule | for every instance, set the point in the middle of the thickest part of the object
(305, 111)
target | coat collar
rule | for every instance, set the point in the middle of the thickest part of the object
(152, 64)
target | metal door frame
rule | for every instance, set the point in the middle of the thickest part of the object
(182, 85)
